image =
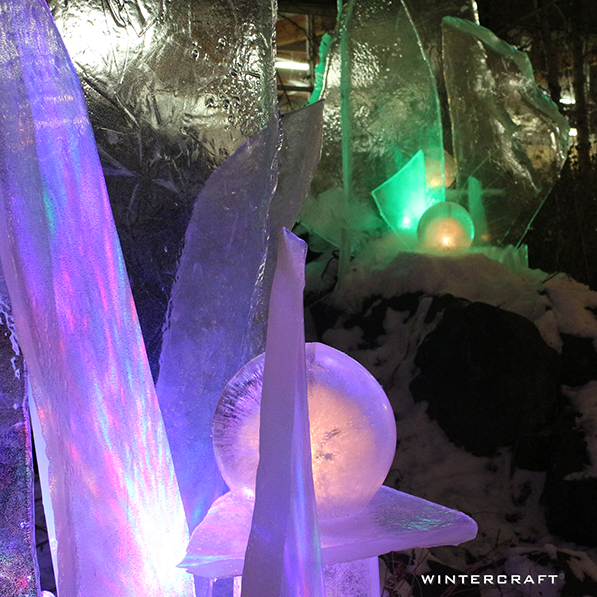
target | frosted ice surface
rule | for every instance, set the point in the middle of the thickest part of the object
(17, 525)
(381, 108)
(119, 519)
(173, 89)
(506, 132)
(359, 578)
(211, 306)
(353, 432)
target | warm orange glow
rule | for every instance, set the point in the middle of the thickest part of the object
(445, 228)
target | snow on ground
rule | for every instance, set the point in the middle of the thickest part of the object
(503, 500)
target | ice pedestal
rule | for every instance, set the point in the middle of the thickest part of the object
(392, 521)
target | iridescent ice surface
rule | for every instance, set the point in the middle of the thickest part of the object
(17, 525)
(381, 108)
(119, 519)
(353, 433)
(173, 89)
(507, 134)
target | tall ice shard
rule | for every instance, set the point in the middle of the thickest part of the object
(211, 306)
(119, 519)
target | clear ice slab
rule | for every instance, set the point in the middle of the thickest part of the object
(299, 155)
(507, 134)
(211, 308)
(219, 302)
(173, 89)
(120, 524)
(381, 108)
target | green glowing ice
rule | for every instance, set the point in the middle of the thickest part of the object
(403, 198)
(381, 109)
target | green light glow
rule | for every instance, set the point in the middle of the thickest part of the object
(404, 197)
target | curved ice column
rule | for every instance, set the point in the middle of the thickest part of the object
(508, 135)
(381, 108)
(17, 525)
(219, 274)
(173, 89)
(283, 552)
(119, 520)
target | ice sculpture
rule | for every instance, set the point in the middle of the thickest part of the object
(17, 525)
(350, 423)
(381, 108)
(385, 89)
(507, 134)
(217, 314)
(444, 228)
(119, 519)
(173, 89)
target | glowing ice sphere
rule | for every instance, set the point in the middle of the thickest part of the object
(446, 227)
(353, 432)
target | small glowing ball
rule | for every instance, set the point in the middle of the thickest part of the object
(353, 431)
(446, 227)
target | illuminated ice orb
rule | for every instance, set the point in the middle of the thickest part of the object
(353, 431)
(446, 227)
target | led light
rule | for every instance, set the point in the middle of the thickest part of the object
(446, 227)
(291, 65)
